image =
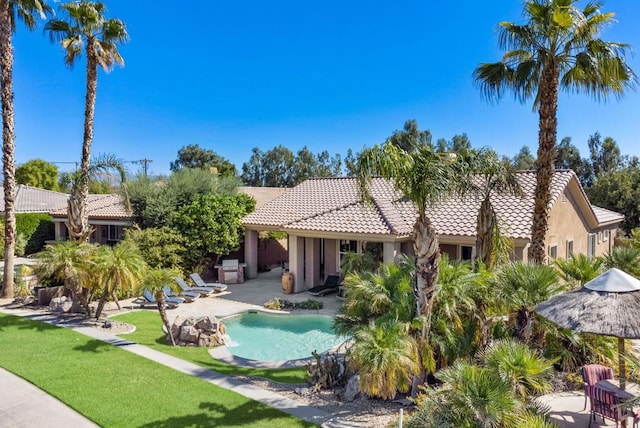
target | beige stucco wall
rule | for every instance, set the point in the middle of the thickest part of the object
(568, 223)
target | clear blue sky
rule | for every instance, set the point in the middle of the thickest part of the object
(233, 75)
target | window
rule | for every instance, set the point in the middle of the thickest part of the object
(591, 245)
(605, 236)
(466, 252)
(599, 237)
(569, 249)
(553, 252)
(114, 233)
(346, 246)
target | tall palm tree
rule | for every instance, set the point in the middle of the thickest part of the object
(155, 280)
(26, 11)
(119, 267)
(72, 263)
(87, 27)
(497, 177)
(424, 177)
(556, 48)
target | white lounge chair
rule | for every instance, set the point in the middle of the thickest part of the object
(203, 291)
(198, 281)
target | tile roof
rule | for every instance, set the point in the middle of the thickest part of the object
(605, 216)
(108, 206)
(33, 199)
(262, 195)
(335, 205)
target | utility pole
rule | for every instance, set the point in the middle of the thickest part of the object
(145, 166)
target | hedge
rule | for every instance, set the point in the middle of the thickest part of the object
(36, 228)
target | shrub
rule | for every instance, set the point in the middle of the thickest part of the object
(36, 229)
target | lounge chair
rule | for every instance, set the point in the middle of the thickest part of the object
(330, 285)
(149, 299)
(188, 296)
(186, 288)
(198, 281)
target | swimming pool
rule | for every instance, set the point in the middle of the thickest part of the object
(271, 337)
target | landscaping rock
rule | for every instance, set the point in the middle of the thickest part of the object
(60, 305)
(200, 331)
(352, 389)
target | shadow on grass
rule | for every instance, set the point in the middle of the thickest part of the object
(23, 323)
(248, 414)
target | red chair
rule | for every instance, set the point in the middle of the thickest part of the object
(607, 404)
(592, 374)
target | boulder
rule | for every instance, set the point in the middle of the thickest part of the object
(352, 389)
(60, 305)
(198, 331)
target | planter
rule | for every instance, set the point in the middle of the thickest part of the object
(287, 283)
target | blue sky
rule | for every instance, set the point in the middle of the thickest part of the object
(331, 75)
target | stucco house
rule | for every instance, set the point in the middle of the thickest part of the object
(108, 215)
(35, 200)
(326, 217)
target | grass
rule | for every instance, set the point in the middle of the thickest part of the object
(115, 388)
(149, 333)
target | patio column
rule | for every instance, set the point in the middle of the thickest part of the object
(390, 251)
(296, 262)
(312, 262)
(251, 252)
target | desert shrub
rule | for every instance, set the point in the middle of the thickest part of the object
(279, 304)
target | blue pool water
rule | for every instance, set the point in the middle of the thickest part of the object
(271, 337)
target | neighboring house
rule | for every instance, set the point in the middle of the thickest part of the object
(108, 215)
(326, 217)
(35, 200)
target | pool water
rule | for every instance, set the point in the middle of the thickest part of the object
(271, 337)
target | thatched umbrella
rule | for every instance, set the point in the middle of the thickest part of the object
(608, 305)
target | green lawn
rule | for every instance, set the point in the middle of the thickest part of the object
(115, 388)
(149, 333)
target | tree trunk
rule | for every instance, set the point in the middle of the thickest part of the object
(484, 239)
(427, 252)
(162, 309)
(524, 325)
(8, 146)
(78, 218)
(102, 301)
(548, 96)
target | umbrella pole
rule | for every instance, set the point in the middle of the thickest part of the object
(621, 363)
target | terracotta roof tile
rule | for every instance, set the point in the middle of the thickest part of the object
(101, 206)
(335, 205)
(33, 199)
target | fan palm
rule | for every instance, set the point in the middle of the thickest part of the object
(424, 177)
(155, 280)
(523, 286)
(578, 269)
(386, 357)
(87, 28)
(119, 267)
(72, 263)
(26, 11)
(624, 258)
(519, 366)
(497, 177)
(556, 48)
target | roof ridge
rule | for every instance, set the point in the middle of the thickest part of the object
(40, 189)
(380, 207)
(318, 214)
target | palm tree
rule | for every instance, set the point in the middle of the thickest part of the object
(155, 280)
(557, 48)
(120, 267)
(70, 262)
(624, 258)
(523, 286)
(497, 177)
(386, 357)
(26, 11)
(424, 177)
(87, 27)
(518, 365)
(579, 269)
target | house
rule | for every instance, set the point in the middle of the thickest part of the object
(108, 215)
(326, 217)
(35, 200)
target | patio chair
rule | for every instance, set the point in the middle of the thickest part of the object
(330, 285)
(608, 405)
(149, 299)
(198, 281)
(186, 288)
(188, 296)
(592, 374)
